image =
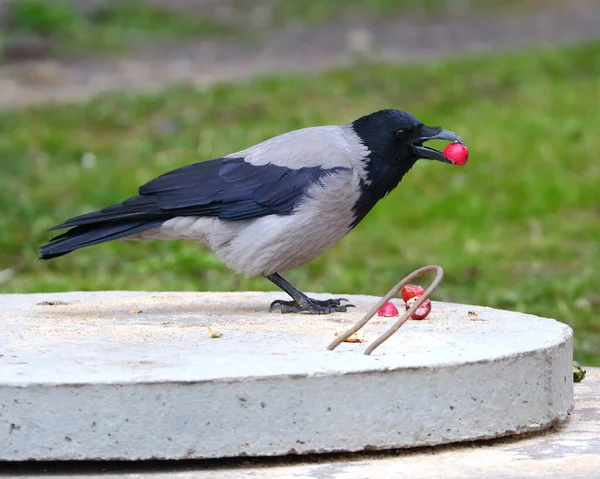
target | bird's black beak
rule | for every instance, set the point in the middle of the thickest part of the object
(434, 133)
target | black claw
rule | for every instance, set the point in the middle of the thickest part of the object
(330, 302)
(284, 306)
(275, 305)
(313, 306)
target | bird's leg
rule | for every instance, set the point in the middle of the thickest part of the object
(302, 303)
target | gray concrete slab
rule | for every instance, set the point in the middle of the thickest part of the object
(129, 375)
(570, 450)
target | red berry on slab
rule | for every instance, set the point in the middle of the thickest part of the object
(388, 310)
(411, 290)
(422, 311)
(457, 153)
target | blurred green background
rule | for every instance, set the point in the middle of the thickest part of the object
(70, 28)
(517, 228)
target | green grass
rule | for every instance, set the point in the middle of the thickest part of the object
(518, 227)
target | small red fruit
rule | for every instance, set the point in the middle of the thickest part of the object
(411, 290)
(457, 153)
(422, 311)
(388, 310)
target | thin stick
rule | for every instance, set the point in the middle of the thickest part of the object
(403, 318)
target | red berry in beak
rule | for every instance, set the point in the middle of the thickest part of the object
(411, 290)
(457, 153)
(422, 311)
(388, 310)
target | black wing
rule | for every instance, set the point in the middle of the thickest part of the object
(227, 188)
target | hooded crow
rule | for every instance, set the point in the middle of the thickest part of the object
(274, 206)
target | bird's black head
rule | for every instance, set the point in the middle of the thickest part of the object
(395, 141)
(397, 137)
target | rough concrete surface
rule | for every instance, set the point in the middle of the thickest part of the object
(130, 375)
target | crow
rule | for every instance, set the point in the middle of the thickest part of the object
(271, 207)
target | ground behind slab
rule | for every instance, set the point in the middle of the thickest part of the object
(306, 49)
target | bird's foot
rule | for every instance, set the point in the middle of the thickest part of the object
(312, 306)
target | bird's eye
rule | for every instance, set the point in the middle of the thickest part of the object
(401, 134)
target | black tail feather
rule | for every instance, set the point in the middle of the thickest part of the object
(91, 234)
(134, 209)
